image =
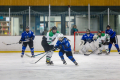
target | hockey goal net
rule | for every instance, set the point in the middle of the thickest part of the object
(77, 38)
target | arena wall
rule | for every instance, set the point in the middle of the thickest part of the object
(37, 43)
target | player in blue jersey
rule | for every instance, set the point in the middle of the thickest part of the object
(87, 42)
(27, 37)
(65, 47)
(113, 38)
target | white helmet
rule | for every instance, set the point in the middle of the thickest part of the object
(60, 35)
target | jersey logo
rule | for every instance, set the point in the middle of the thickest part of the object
(50, 38)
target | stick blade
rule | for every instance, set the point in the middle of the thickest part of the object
(28, 55)
(4, 43)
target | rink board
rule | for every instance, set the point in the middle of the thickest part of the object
(37, 44)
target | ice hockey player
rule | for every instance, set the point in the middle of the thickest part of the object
(27, 37)
(47, 43)
(104, 40)
(65, 47)
(113, 38)
(88, 43)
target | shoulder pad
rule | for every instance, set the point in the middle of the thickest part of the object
(51, 34)
(57, 32)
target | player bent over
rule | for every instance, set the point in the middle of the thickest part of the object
(104, 40)
(88, 43)
(47, 44)
(113, 38)
(65, 47)
(27, 37)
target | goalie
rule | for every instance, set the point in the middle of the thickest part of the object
(87, 42)
(104, 40)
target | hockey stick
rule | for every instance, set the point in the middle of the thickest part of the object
(13, 43)
(34, 55)
(42, 56)
(10, 44)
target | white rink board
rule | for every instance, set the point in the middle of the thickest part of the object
(18, 47)
(37, 43)
(92, 67)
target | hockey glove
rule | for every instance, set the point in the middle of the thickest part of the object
(55, 48)
(103, 42)
(20, 42)
(60, 46)
(107, 43)
(31, 39)
(100, 45)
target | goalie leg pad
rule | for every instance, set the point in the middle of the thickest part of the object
(83, 49)
(91, 45)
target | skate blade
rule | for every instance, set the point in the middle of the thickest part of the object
(77, 65)
(65, 64)
(50, 64)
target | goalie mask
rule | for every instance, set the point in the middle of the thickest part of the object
(99, 33)
(60, 37)
(88, 31)
(54, 29)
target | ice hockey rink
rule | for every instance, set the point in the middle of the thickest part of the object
(93, 67)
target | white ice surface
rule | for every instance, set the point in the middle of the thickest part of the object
(92, 67)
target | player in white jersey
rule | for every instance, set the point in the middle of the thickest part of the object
(47, 43)
(104, 40)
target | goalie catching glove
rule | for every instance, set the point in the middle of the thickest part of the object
(95, 37)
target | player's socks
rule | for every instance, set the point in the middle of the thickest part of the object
(117, 46)
(32, 51)
(71, 58)
(110, 45)
(61, 55)
(23, 50)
